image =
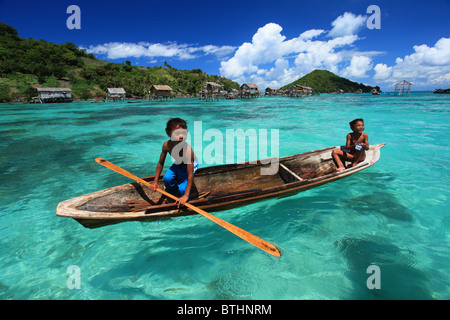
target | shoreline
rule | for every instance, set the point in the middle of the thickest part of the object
(413, 93)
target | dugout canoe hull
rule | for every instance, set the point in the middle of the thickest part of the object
(220, 187)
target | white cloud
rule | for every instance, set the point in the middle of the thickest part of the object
(445, 78)
(266, 47)
(358, 67)
(118, 50)
(382, 72)
(309, 34)
(271, 59)
(426, 66)
(218, 51)
(439, 55)
(347, 24)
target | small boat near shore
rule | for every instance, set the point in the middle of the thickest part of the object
(215, 188)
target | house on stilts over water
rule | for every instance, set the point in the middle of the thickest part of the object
(402, 88)
(49, 95)
(249, 90)
(115, 94)
(160, 92)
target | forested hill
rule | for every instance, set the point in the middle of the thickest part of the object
(29, 63)
(323, 81)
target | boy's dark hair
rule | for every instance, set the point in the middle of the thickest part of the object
(353, 122)
(173, 122)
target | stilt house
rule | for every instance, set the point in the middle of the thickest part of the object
(46, 95)
(271, 91)
(211, 91)
(249, 90)
(160, 91)
(402, 87)
(300, 91)
(115, 94)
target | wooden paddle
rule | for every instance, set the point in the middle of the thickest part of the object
(247, 236)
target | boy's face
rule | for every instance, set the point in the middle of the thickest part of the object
(358, 127)
(178, 134)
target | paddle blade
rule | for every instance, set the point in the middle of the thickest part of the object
(245, 235)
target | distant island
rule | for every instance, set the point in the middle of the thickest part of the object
(27, 64)
(442, 91)
(323, 81)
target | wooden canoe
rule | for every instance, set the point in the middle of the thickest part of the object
(216, 188)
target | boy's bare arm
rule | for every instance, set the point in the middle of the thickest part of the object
(188, 154)
(349, 142)
(184, 198)
(190, 170)
(160, 166)
(366, 142)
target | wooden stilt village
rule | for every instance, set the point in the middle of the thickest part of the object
(212, 91)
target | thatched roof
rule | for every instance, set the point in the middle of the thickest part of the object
(213, 84)
(250, 86)
(116, 90)
(161, 87)
(53, 89)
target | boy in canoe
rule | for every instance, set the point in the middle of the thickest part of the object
(180, 176)
(355, 147)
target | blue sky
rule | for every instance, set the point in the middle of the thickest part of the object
(270, 43)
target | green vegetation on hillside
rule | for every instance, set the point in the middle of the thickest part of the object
(323, 81)
(27, 63)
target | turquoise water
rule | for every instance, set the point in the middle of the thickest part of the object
(394, 215)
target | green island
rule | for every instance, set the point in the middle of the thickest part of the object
(323, 81)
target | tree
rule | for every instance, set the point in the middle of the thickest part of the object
(167, 65)
(6, 29)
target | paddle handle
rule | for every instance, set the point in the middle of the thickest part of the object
(247, 236)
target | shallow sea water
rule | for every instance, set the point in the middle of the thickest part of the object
(394, 214)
